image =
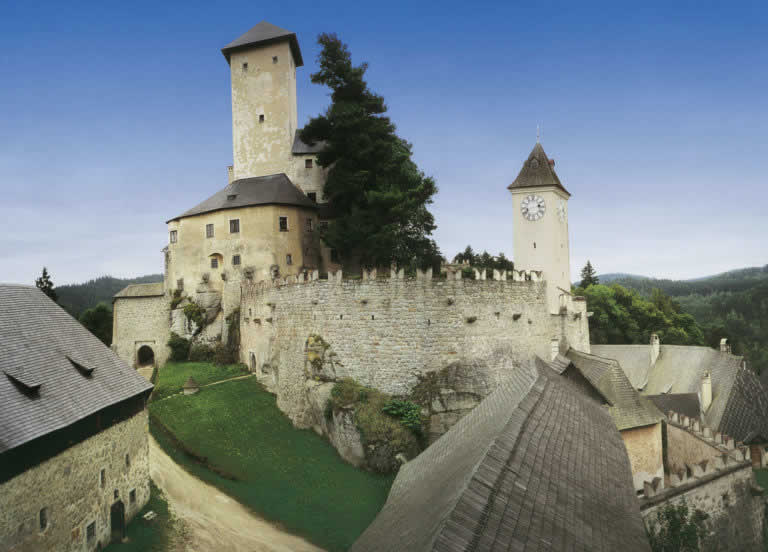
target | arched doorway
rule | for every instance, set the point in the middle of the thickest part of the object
(145, 356)
(117, 521)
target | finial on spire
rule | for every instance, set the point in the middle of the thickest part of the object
(538, 134)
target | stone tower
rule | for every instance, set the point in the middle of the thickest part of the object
(263, 66)
(540, 204)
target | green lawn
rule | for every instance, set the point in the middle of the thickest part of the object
(290, 476)
(172, 376)
(150, 536)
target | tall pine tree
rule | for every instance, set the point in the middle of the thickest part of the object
(588, 276)
(45, 284)
(376, 192)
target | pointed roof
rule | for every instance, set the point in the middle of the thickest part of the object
(537, 171)
(262, 34)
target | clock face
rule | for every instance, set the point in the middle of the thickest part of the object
(533, 207)
(562, 210)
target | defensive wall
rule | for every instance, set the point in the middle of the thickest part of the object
(141, 321)
(388, 332)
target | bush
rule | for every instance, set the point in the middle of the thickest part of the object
(201, 352)
(195, 313)
(677, 529)
(179, 348)
(407, 412)
(222, 355)
(177, 298)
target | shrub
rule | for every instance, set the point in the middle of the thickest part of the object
(223, 355)
(177, 298)
(195, 313)
(179, 348)
(201, 352)
(407, 412)
(677, 529)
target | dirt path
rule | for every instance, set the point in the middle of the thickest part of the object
(215, 521)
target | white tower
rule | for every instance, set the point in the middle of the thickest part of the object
(263, 68)
(540, 204)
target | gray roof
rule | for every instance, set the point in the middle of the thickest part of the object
(141, 290)
(262, 34)
(682, 403)
(627, 408)
(737, 394)
(53, 372)
(275, 189)
(537, 171)
(301, 148)
(535, 466)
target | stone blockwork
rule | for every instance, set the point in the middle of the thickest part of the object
(644, 447)
(389, 333)
(69, 488)
(141, 321)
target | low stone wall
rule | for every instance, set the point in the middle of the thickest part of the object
(70, 489)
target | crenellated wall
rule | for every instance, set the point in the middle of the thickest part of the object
(388, 332)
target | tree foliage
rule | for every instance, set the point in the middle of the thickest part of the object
(45, 284)
(677, 529)
(484, 259)
(588, 276)
(76, 298)
(623, 316)
(98, 320)
(377, 194)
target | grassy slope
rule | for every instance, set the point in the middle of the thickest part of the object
(172, 376)
(287, 475)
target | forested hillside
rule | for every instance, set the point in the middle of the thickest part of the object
(76, 298)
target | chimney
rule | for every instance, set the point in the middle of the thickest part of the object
(706, 392)
(725, 347)
(230, 171)
(655, 348)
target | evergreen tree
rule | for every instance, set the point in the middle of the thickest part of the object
(45, 284)
(588, 276)
(377, 193)
(466, 256)
(98, 321)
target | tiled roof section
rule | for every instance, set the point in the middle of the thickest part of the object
(682, 403)
(536, 465)
(537, 171)
(43, 345)
(141, 290)
(261, 34)
(745, 416)
(628, 408)
(635, 360)
(302, 148)
(275, 189)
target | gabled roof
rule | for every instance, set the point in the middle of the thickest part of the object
(53, 372)
(262, 34)
(275, 189)
(301, 148)
(141, 290)
(628, 408)
(537, 171)
(682, 403)
(536, 465)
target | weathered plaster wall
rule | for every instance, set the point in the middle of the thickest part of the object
(683, 447)
(308, 179)
(385, 333)
(141, 321)
(69, 487)
(735, 512)
(644, 448)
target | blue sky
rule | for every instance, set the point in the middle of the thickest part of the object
(116, 116)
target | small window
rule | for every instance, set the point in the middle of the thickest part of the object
(334, 256)
(288, 259)
(312, 196)
(116, 494)
(43, 519)
(261, 118)
(234, 226)
(90, 532)
(245, 67)
(310, 225)
(127, 461)
(236, 260)
(132, 496)
(214, 262)
(180, 284)
(174, 236)
(283, 224)
(323, 225)
(274, 59)
(209, 230)
(103, 478)
(307, 163)
(231, 197)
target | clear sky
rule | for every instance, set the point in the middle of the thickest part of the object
(115, 116)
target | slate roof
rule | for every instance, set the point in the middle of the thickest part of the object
(301, 148)
(264, 33)
(275, 189)
(627, 408)
(682, 403)
(141, 290)
(535, 466)
(53, 372)
(537, 171)
(738, 397)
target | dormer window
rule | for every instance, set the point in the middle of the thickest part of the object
(230, 197)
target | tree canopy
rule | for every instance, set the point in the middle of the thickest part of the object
(588, 276)
(45, 284)
(484, 259)
(377, 194)
(98, 320)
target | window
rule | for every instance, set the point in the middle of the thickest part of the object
(236, 260)
(323, 225)
(231, 197)
(261, 118)
(245, 67)
(103, 478)
(116, 494)
(234, 226)
(90, 532)
(334, 256)
(310, 225)
(274, 59)
(209, 230)
(132, 496)
(312, 196)
(288, 259)
(180, 284)
(307, 163)
(283, 224)
(43, 519)
(174, 236)
(127, 461)
(214, 262)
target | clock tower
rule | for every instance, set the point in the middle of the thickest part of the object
(540, 204)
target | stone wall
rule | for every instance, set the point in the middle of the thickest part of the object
(141, 321)
(644, 449)
(69, 487)
(686, 448)
(388, 333)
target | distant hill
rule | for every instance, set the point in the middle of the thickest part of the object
(76, 298)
